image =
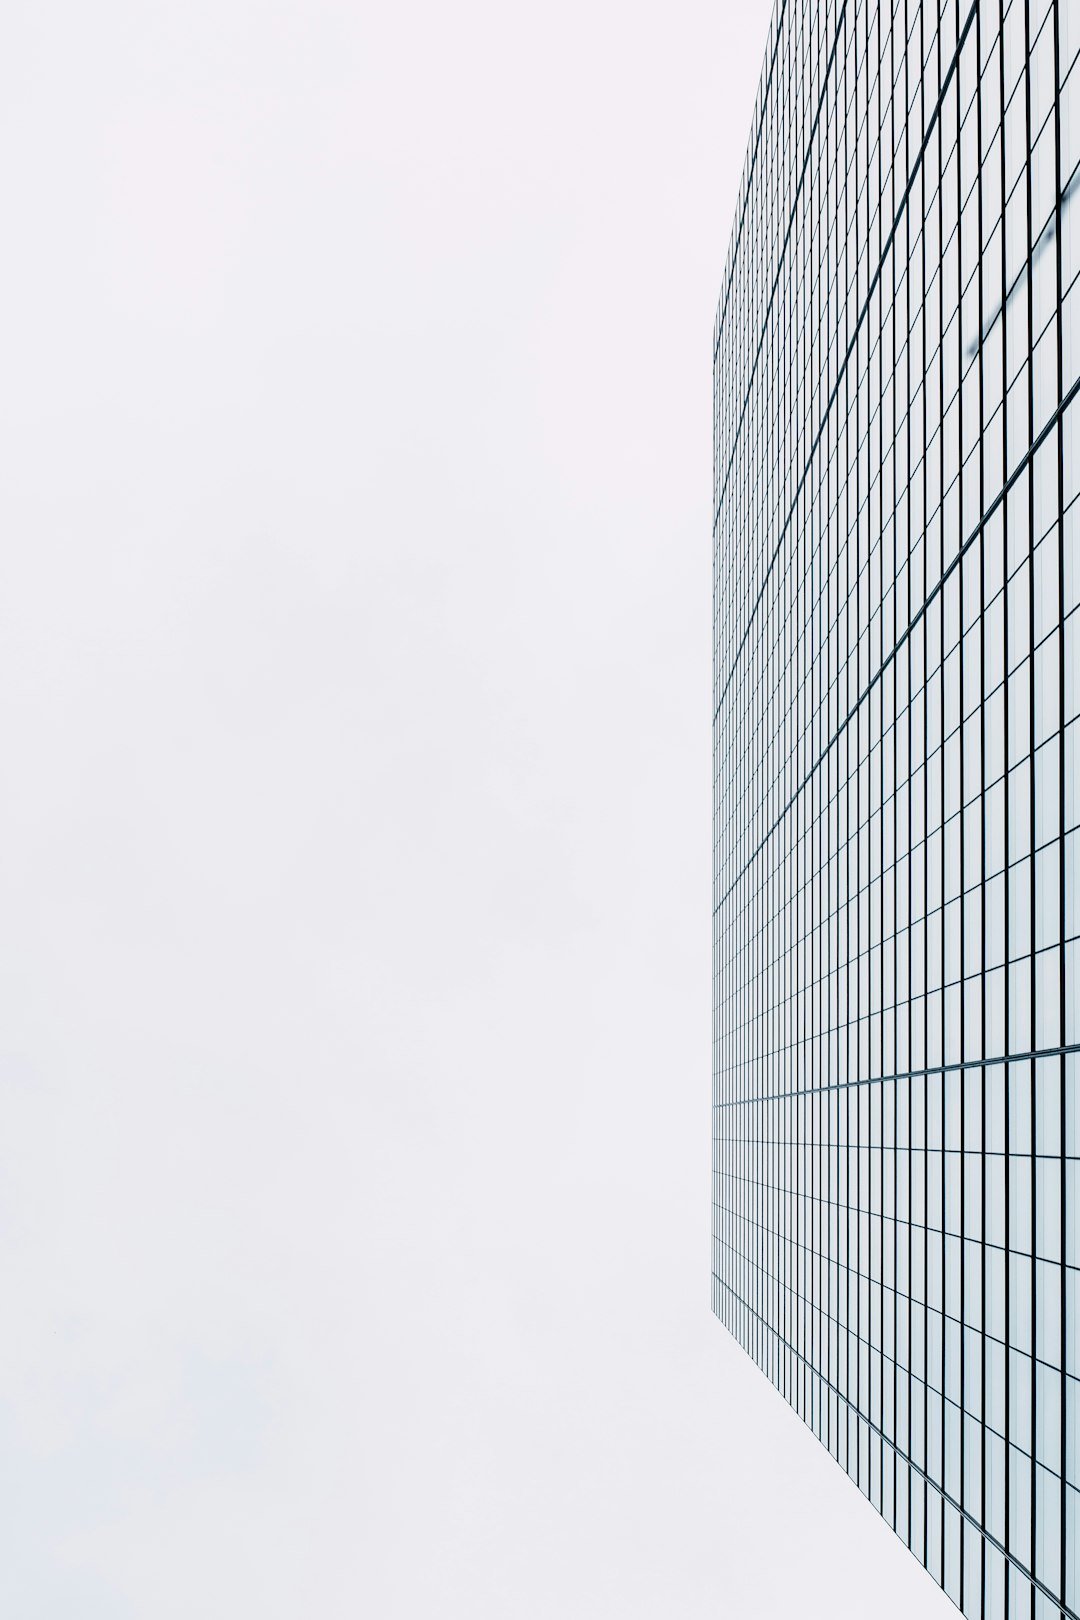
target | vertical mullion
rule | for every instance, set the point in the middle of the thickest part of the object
(910, 1087)
(1031, 1061)
(924, 1232)
(938, 613)
(1062, 1031)
(962, 518)
(984, 1136)
(1007, 317)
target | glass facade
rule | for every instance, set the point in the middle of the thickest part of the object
(896, 891)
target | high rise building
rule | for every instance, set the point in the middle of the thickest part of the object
(896, 895)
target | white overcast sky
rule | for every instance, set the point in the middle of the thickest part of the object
(355, 826)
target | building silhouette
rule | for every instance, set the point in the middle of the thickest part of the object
(896, 890)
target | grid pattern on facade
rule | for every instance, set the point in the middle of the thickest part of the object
(896, 899)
